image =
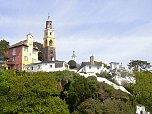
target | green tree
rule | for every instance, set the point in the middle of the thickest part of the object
(31, 93)
(139, 65)
(98, 63)
(101, 63)
(93, 84)
(89, 106)
(117, 107)
(38, 45)
(105, 75)
(72, 64)
(4, 46)
(78, 92)
(142, 90)
(40, 48)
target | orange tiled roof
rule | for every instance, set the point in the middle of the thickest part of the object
(21, 43)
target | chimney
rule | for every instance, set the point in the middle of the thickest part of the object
(92, 60)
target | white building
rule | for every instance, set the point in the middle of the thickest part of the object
(122, 74)
(140, 109)
(114, 65)
(49, 66)
(124, 80)
(90, 68)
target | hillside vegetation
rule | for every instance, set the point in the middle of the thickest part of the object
(67, 92)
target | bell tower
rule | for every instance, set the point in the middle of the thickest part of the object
(49, 53)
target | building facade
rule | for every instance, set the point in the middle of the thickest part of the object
(49, 63)
(22, 53)
(90, 68)
(50, 66)
(140, 109)
(48, 51)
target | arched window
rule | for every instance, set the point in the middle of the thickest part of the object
(45, 42)
(51, 43)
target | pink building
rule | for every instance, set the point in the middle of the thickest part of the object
(22, 53)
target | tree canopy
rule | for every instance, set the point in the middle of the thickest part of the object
(139, 65)
(88, 96)
(142, 90)
(72, 64)
(4, 46)
(32, 93)
(40, 47)
(60, 92)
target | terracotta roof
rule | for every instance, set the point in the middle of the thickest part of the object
(21, 43)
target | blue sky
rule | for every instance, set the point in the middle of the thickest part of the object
(111, 30)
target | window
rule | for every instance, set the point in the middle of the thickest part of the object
(31, 68)
(51, 43)
(51, 51)
(39, 66)
(16, 66)
(98, 67)
(45, 42)
(58, 65)
(33, 60)
(13, 59)
(89, 67)
(50, 66)
(34, 51)
(23, 66)
(25, 58)
(1, 58)
(51, 58)
(26, 49)
(50, 33)
(14, 51)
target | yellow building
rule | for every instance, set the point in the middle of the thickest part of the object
(23, 53)
(29, 52)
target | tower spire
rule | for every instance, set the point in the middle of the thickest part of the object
(48, 15)
(73, 56)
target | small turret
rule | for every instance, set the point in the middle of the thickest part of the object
(74, 56)
(92, 60)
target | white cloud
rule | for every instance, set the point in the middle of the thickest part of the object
(117, 30)
(114, 49)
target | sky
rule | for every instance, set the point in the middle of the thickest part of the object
(110, 30)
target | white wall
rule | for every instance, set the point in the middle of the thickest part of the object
(114, 66)
(45, 67)
(128, 79)
(91, 70)
(140, 108)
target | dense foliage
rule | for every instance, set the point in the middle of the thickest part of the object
(31, 93)
(72, 64)
(4, 45)
(40, 48)
(139, 65)
(142, 90)
(84, 92)
(64, 92)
